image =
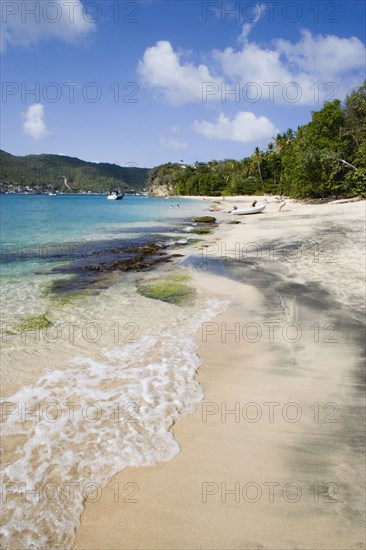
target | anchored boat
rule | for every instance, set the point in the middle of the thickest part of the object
(115, 196)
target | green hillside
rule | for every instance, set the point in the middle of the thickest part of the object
(47, 172)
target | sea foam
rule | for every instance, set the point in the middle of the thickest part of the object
(92, 420)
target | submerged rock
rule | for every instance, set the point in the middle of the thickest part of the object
(135, 259)
(173, 289)
(205, 219)
(32, 323)
(96, 271)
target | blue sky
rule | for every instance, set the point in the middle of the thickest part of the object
(147, 82)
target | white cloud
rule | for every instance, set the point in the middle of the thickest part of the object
(258, 12)
(317, 65)
(179, 83)
(26, 23)
(252, 64)
(245, 127)
(312, 70)
(34, 124)
(323, 56)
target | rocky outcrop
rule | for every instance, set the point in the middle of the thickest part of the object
(161, 187)
(161, 181)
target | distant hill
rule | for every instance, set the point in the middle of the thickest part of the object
(47, 172)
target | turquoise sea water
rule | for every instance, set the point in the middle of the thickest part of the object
(108, 350)
(31, 219)
(40, 233)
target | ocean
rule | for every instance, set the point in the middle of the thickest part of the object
(94, 373)
(39, 233)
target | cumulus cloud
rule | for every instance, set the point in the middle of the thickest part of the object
(312, 70)
(179, 83)
(321, 67)
(252, 64)
(245, 127)
(323, 56)
(34, 124)
(26, 23)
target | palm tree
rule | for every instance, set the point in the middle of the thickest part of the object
(274, 160)
(258, 157)
(282, 141)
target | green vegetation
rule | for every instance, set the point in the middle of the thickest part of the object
(43, 173)
(173, 289)
(35, 322)
(326, 157)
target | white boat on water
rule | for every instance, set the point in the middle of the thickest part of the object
(115, 196)
(251, 210)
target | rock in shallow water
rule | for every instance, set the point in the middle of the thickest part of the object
(205, 219)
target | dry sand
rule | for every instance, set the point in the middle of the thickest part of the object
(273, 456)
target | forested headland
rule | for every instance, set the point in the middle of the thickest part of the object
(326, 157)
(44, 173)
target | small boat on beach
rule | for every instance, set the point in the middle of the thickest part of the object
(251, 210)
(115, 196)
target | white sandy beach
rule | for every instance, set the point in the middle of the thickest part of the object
(273, 457)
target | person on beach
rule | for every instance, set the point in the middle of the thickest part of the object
(281, 201)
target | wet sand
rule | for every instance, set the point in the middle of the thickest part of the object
(273, 456)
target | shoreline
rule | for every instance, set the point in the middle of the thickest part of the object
(91, 350)
(271, 270)
(72, 270)
(181, 503)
